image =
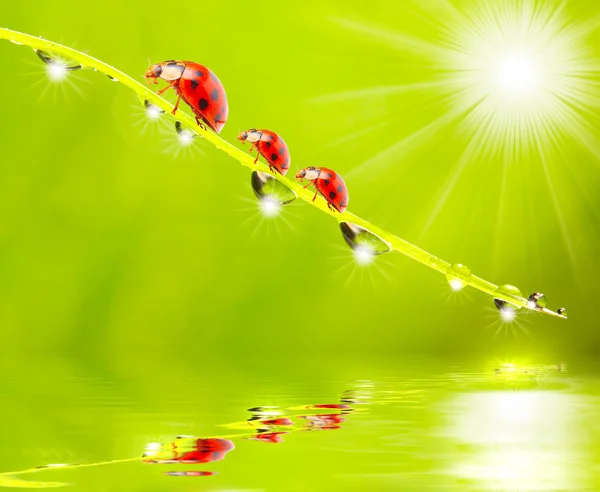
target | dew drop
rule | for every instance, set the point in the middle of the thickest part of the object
(537, 300)
(562, 312)
(510, 292)
(271, 192)
(185, 134)
(16, 42)
(57, 63)
(363, 241)
(112, 79)
(458, 276)
(152, 110)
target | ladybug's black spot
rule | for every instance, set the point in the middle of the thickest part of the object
(214, 77)
(223, 110)
(172, 64)
(194, 84)
(273, 157)
(281, 151)
(268, 144)
(340, 188)
(199, 74)
(326, 182)
(214, 95)
(218, 118)
(203, 103)
(332, 194)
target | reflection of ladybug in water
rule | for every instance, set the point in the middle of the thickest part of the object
(271, 146)
(323, 421)
(271, 437)
(197, 86)
(329, 184)
(206, 450)
(277, 422)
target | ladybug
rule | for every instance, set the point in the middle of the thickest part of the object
(271, 146)
(197, 86)
(327, 182)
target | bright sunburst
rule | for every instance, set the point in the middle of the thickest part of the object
(517, 78)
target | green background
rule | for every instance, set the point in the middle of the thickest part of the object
(121, 257)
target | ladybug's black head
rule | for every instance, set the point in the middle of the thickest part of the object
(310, 173)
(253, 135)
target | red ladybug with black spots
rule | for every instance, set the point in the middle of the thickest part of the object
(197, 86)
(329, 184)
(271, 146)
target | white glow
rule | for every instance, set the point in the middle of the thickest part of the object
(517, 440)
(363, 255)
(153, 446)
(56, 71)
(185, 138)
(456, 284)
(517, 73)
(269, 206)
(153, 112)
(508, 314)
(531, 305)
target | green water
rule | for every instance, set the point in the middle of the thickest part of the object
(425, 424)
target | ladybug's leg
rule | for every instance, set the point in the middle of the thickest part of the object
(176, 104)
(164, 89)
(257, 155)
(200, 123)
(315, 197)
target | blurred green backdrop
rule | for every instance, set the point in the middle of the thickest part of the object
(111, 240)
(130, 260)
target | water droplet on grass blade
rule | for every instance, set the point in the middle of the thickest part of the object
(152, 110)
(272, 193)
(112, 79)
(57, 63)
(562, 312)
(508, 310)
(185, 134)
(458, 276)
(16, 42)
(509, 292)
(363, 242)
(537, 300)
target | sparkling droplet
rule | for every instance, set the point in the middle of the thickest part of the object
(272, 193)
(16, 42)
(458, 276)
(152, 110)
(508, 310)
(365, 243)
(113, 79)
(185, 134)
(537, 300)
(57, 63)
(562, 312)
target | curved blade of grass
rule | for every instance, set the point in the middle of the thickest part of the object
(144, 92)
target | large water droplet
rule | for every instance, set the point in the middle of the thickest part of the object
(562, 312)
(271, 192)
(363, 242)
(508, 310)
(458, 276)
(537, 300)
(153, 111)
(57, 63)
(185, 134)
